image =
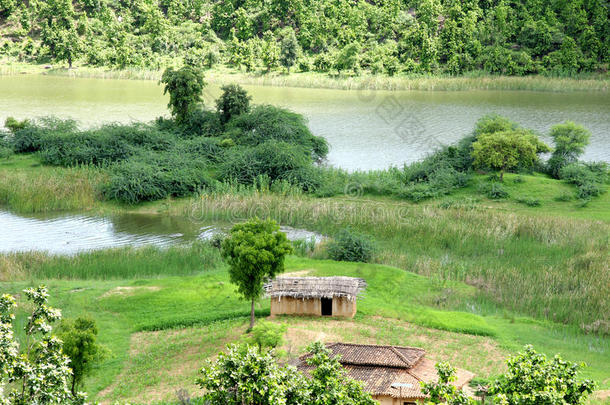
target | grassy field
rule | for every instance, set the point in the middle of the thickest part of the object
(225, 75)
(161, 329)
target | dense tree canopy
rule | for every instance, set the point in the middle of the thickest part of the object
(438, 36)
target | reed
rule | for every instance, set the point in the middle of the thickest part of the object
(547, 267)
(51, 189)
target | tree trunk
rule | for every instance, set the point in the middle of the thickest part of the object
(73, 385)
(252, 315)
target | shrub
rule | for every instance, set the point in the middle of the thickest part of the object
(5, 151)
(570, 142)
(589, 179)
(29, 137)
(493, 123)
(265, 123)
(494, 190)
(201, 123)
(350, 246)
(152, 176)
(529, 201)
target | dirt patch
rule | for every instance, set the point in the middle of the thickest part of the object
(602, 395)
(300, 273)
(127, 291)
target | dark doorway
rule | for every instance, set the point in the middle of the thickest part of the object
(327, 306)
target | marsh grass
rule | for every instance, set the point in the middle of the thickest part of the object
(546, 267)
(225, 75)
(30, 190)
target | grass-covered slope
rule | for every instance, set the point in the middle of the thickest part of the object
(172, 324)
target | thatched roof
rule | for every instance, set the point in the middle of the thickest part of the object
(315, 287)
(394, 371)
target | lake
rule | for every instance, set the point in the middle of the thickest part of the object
(365, 129)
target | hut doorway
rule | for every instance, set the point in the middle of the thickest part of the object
(327, 307)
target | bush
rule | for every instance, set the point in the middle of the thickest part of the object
(29, 137)
(277, 160)
(201, 123)
(5, 152)
(265, 123)
(590, 179)
(529, 201)
(350, 246)
(154, 176)
(494, 190)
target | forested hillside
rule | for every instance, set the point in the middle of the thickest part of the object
(558, 37)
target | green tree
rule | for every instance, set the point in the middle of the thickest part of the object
(330, 384)
(233, 101)
(40, 374)
(185, 87)
(507, 150)
(79, 338)
(570, 142)
(59, 32)
(442, 391)
(532, 379)
(270, 51)
(289, 48)
(348, 58)
(255, 251)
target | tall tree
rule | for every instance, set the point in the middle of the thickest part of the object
(255, 251)
(185, 87)
(289, 48)
(59, 31)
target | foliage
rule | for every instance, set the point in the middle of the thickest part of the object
(442, 391)
(244, 375)
(330, 383)
(267, 334)
(533, 379)
(507, 150)
(570, 142)
(588, 178)
(255, 252)
(441, 37)
(233, 101)
(40, 374)
(350, 246)
(79, 337)
(184, 86)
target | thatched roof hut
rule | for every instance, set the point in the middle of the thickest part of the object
(332, 296)
(391, 374)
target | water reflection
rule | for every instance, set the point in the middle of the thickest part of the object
(69, 234)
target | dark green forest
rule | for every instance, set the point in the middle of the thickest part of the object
(551, 37)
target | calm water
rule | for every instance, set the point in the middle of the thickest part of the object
(366, 130)
(68, 234)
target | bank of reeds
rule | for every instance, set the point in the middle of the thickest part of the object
(550, 268)
(111, 264)
(51, 189)
(223, 75)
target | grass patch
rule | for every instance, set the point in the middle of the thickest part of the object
(226, 75)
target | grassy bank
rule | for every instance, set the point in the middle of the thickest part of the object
(171, 324)
(224, 75)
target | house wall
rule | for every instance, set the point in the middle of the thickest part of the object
(388, 400)
(342, 307)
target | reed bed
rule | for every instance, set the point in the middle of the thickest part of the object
(111, 264)
(52, 189)
(550, 268)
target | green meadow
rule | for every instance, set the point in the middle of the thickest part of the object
(161, 317)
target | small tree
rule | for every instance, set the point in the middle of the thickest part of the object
(506, 150)
(532, 379)
(442, 391)
(185, 87)
(79, 338)
(570, 142)
(330, 383)
(255, 251)
(270, 51)
(244, 375)
(267, 335)
(289, 48)
(348, 58)
(233, 101)
(40, 374)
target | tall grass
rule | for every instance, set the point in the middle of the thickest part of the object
(51, 189)
(111, 264)
(550, 268)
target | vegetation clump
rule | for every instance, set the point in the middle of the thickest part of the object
(351, 246)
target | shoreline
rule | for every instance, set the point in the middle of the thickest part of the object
(223, 75)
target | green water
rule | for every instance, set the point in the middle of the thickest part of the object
(366, 130)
